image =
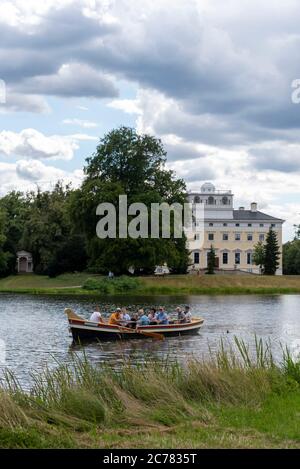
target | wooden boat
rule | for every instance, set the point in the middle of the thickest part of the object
(82, 329)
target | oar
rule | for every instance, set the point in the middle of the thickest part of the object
(154, 335)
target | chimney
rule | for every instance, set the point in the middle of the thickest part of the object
(241, 208)
(253, 207)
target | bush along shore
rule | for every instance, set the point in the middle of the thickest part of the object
(84, 284)
(234, 399)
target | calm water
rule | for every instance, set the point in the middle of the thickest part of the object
(34, 330)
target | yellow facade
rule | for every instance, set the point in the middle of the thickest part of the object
(232, 233)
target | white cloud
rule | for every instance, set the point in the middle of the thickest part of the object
(30, 143)
(27, 175)
(85, 124)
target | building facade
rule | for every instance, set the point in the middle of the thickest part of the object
(233, 233)
(24, 262)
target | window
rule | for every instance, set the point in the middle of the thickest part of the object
(210, 236)
(211, 224)
(237, 224)
(261, 237)
(225, 236)
(196, 199)
(197, 237)
(249, 237)
(211, 200)
(237, 258)
(249, 258)
(225, 257)
(249, 224)
(196, 258)
(273, 225)
(225, 200)
(224, 224)
(238, 236)
(261, 225)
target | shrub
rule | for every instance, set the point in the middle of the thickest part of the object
(105, 285)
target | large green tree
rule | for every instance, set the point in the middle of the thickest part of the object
(126, 163)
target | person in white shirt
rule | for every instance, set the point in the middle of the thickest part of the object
(126, 318)
(188, 314)
(96, 316)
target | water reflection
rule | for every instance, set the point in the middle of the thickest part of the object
(34, 330)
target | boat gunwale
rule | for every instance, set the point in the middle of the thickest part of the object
(116, 328)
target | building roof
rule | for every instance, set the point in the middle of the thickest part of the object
(253, 216)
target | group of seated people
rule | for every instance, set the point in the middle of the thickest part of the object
(126, 318)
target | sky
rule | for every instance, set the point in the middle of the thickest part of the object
(212, 79)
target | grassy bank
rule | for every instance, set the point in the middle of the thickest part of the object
(230, 401)
(72, 284)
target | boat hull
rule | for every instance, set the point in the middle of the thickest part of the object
(87, 331)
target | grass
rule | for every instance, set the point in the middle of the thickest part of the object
(233, 400)
(85, 284)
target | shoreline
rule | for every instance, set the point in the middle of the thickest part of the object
(234, 291)
(91, 285)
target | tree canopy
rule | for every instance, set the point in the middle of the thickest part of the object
(59, 226)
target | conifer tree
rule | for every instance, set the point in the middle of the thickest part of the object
(272, 253)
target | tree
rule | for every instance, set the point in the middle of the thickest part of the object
(4, 255)
(259, 255)
(272, 253)
(16, 207)
(211, 260)
(126, 163)
(49, 233)
(291, 257)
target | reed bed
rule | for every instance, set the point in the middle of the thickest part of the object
(81, 405)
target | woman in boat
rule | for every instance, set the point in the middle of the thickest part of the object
(151, 317)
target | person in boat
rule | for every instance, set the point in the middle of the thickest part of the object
(180, 315)
(188, 314)
(125, 317)
(151, 317)
(143, 318)
(161, 316)
(96, 315)
(116, 317)
(133, 320)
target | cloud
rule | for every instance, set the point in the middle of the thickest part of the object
(72, 80)
(279, 156)
(27, 175)
(17, 102)
(30, 143)
(33, 170)
(80, 122)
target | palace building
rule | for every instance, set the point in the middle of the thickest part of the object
(233, 233)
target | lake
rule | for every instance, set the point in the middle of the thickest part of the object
(34, 330)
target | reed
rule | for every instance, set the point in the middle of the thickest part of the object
(78, 405)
